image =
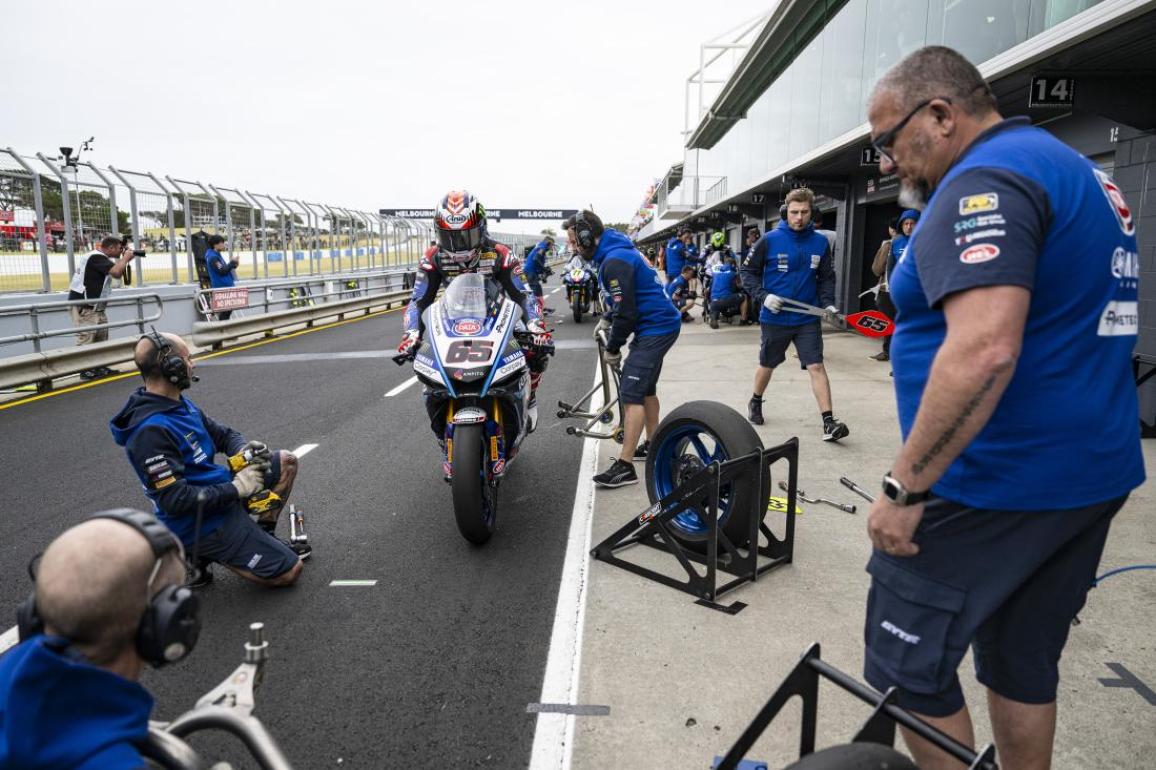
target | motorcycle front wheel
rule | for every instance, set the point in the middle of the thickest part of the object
(692, 437)
(475, 496)
(576, 306)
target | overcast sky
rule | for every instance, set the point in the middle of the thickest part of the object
(367, 105)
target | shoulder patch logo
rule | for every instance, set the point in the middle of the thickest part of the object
(1116, 200)
(980, 252)
(977, 204)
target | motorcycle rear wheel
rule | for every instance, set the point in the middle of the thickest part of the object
(475, 497)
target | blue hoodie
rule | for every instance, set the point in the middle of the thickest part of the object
(171, 446)
(638, 304)
(677, 255)
(59, 712)
(221, 275)
(793, 265)
(900, 241)
(536, 260)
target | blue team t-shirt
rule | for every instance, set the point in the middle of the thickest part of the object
(1020, 208)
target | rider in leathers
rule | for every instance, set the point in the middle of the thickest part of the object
(464, 245)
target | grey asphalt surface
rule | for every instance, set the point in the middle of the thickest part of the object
(432, 667)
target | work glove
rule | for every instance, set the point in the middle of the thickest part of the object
(249, 481)
(832, 314)
(258, 448)
(541, 336)
(614, 359)
(773, 303)
(601, 328)
(409, 342)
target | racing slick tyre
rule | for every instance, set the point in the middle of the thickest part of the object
(855, 756)
(475, 497)
(690, 438)
(576, 305)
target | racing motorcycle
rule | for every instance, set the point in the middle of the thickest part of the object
(581, 291)
(476, 375)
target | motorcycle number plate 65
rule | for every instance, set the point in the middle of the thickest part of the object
(471, 351)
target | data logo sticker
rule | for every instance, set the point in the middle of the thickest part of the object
(467, 326)
(977, 204)
(1116, 200)
(980, 252)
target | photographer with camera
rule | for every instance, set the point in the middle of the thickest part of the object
(93, 281)
(108, 600)
(172, 445)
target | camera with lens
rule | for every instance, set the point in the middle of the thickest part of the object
(127, 242)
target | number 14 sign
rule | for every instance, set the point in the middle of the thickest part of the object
(1052, 91)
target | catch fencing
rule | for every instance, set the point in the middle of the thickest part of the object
(53, 212)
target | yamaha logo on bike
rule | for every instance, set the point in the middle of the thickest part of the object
(467, 326)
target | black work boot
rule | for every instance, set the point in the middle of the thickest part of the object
(755, 410)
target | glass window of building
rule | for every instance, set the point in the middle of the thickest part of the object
(894, 29)
(979, 29)
(841, 82)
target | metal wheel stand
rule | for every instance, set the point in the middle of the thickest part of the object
(700, 494)
(605, 415)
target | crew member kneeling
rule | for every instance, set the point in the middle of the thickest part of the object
(638, 306)
(679, 293)
(172, 445)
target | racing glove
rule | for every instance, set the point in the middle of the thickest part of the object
(832, 313)
(249, 481)
(409, 342)
(541, 336)
(773, 302)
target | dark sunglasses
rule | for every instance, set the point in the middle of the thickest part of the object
(884, 143)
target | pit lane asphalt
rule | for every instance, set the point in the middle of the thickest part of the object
(432, 667)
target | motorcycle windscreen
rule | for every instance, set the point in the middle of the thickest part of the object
(466, 297)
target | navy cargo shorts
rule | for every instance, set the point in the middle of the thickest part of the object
(1007, 583)
(808, 339)
(641, 368)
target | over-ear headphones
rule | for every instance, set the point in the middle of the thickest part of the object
(584, 231)
(171, 621)
(171, 366)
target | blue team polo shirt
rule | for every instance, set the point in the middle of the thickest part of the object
(1021, 208)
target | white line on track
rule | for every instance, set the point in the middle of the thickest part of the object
(352, 583)
(304, 449)
(554, 732)
(555, 291)
(401, 387)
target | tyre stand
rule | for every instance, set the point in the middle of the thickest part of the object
(803, 681)
(605, 415)
(652, 528)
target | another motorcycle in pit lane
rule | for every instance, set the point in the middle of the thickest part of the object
(581, 291)
(477, 387)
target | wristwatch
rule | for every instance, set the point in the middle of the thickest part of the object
(894, 491)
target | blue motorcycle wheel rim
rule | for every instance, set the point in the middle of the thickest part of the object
(693, 443)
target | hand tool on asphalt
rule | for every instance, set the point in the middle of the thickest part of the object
(803, 496)
(856, 489)
(297, 526)
(869, 323)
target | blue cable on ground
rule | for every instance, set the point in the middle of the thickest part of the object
(1118, 570)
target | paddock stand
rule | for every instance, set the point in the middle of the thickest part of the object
(803, 681)
(605, 415)
(701, 494)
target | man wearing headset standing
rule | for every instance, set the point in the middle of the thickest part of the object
(171, 445)
(108, 600)
(638, 307)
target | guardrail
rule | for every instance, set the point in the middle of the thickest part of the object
(213, 333)
(33, 312)
(261, 293)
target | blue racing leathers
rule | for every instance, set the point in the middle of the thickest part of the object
(638, 304)
(496, 262)
(793, 265)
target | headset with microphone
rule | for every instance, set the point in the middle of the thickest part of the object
(584, 231)
(171, 366)
(171, 622)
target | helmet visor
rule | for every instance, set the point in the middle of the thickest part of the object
(460, 240)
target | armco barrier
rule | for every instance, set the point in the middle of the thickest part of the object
(41, 368)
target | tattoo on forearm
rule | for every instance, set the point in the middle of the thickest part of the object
(952, 429)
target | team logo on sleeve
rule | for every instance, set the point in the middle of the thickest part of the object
(1116, 200)
(980, 252)
(977, 204)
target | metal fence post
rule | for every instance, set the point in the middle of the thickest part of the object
(228, 218)
(41, 232)
(286, 238)
(257, 208)
(69, 244)
(171, 223)
(113, 212)
(188, 227)
(216, 210)
(134, 222)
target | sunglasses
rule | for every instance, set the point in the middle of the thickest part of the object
(885, 142)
